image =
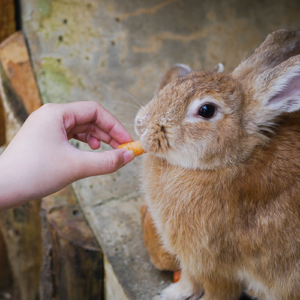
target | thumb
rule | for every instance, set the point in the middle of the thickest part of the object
(99, 163)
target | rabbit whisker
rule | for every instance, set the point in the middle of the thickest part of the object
(131, 95)
(126, 104)
(125, 113)
(127, 124)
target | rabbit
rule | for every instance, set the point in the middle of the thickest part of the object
(221, 176)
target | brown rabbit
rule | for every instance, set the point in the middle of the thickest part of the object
(222, 174)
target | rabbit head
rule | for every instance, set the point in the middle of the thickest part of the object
(206, 120)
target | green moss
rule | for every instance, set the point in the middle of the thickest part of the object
(56, 84)
(44, 7)
(80, 83)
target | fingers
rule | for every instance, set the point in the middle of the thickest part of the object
(81, 113)
(81, 132)
(99, 163)
(93, 142)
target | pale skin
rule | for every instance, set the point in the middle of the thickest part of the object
(40, 159)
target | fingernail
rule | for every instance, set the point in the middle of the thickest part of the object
(128, 156)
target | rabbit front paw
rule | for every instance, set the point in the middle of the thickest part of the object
(177, 291)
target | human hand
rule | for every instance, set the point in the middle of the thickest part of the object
(40, 160)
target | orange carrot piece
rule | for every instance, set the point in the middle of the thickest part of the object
(136, 147)
(176, 276)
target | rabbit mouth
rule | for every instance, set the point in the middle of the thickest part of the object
(162, 140)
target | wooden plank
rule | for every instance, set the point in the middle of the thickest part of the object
(7, 19)
(5, 272)
(72, 260)
(7, 27)
(17, 75)
(20, 226)
(22, 234)
(2, 123)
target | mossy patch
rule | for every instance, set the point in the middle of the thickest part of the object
(56, 84)
(44, 7)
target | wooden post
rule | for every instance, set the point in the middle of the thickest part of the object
(17, 76)
(5, 273)
(22, 234)
(2, 123)
(7, 19)
(21, 227)
(7, 27)
(72, 260)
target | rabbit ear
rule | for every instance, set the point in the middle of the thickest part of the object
(283, 92)
(273, 92)
(271, 78)
(278, 47)
(178, 70)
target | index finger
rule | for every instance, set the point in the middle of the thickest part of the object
(77, 113)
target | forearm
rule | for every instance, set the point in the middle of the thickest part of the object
(13, 185)
(20, 179)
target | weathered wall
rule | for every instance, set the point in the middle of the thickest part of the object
(94, 49)
(87, 49)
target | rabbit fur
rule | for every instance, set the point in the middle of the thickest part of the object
(224, 191)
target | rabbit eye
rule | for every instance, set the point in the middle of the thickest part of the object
(207, 111)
